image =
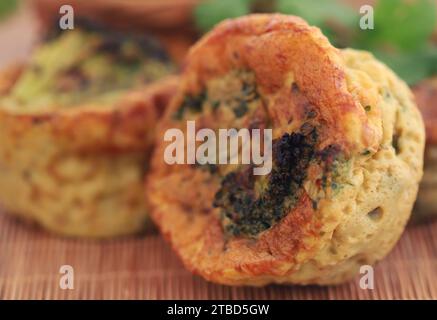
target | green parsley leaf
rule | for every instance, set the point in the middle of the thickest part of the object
(411, 66)
(336, 20)
(7, 6)
(405, 24)
(208, 13)
(318, 12)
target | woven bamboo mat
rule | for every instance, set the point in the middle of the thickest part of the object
(144, 267)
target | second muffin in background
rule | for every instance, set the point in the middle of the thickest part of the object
(76, 129)
(426, 205)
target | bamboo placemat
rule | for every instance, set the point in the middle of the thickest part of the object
(144, 267)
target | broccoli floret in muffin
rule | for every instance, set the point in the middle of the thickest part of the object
(87, 65)
(249, 214)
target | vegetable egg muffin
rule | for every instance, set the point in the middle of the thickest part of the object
(347, 157)
(76, 130)
(426, 204)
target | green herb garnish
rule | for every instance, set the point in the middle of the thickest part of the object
(7, 6)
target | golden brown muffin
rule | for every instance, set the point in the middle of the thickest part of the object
(347, 157)
(75, 134)
(426, 204)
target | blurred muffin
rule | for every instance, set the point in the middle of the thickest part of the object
(170, 21)
(347, 157)
(76, 129)
(426, 204)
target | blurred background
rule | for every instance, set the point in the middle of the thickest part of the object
(404, 36)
